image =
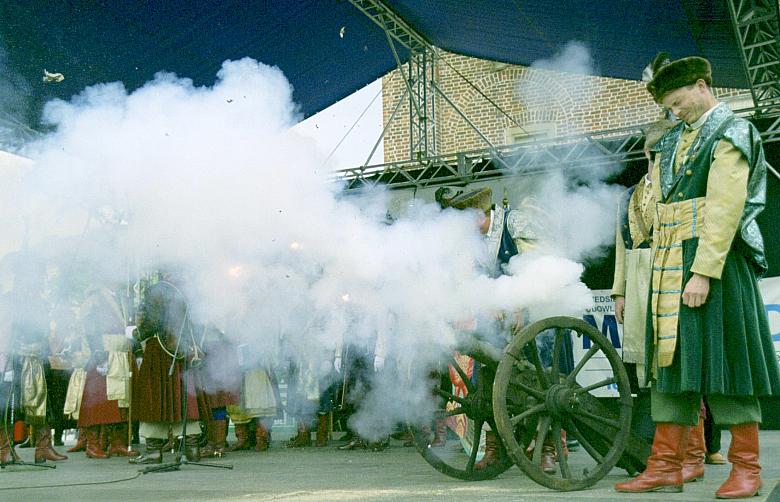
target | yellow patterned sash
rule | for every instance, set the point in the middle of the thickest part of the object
(677, 222)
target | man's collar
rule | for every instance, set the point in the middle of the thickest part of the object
(701, 120)
(490, 227)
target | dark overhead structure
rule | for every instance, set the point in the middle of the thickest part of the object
(330, 48)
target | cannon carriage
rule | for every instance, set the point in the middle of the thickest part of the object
(526, 401)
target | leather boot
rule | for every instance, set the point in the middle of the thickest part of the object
(493, 451)
(81, 442)
(242, 438)
(219, 437)
(323, 424)
(693, 463)
(303, 438)
(170, 444)
(192, 448)
(118, 442)
(262, 436)
(664, 466)
(356, 443)
(95, 442)
(6, 454)
(209, 450)
(745, 477)
(549, 456)
(439, 433)
(43, 449)
(153, 453)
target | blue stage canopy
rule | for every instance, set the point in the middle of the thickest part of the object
(329, 49)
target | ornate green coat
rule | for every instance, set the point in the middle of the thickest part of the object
(724, 346)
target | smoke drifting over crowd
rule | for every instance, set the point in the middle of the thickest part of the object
(212, 182)
(579, 204)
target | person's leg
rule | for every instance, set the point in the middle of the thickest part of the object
(742, 414)
(712, 439)
(674, 414)
(156, 435)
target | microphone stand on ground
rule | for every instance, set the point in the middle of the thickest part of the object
(180, 456)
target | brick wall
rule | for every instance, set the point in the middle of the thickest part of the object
(562, 103)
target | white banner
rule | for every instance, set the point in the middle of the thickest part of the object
(602, 316)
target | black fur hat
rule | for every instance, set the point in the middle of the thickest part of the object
(670, 75)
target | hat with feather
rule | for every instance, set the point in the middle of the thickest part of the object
(664, 75)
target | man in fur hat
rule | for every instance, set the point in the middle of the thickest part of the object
(707, 332)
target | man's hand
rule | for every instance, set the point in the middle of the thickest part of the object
(696, 291)
(620, 308)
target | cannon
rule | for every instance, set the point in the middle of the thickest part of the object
(528, 403)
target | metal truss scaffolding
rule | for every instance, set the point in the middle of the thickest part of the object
(573, 152)
(584, 151)
(418, 75)
(757, 28)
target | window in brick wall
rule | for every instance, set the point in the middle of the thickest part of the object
(529, 132)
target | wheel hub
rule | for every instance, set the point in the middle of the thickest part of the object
(560, 400)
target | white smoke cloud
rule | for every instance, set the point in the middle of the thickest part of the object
(572, 198)
(214, 180)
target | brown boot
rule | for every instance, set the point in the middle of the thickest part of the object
(262, 436)
(745, 478)
(242, 438)
(664, 466)
(118, 445)
(209, 450)
(81, 442)
(303, 438)
(693, 463)
(95, 442)
(493, 451)
(6, 449)
(549, 456)
(323, 426)
(439, 433)
(219, 437)
(215, 444)
(43, 449)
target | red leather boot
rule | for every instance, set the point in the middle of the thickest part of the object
(693, 463)
(95, 442)
(745, 477)
(664, 466)
(43, 449)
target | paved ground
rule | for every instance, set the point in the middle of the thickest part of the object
(324, 474)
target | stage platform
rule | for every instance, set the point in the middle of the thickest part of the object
(327, 474)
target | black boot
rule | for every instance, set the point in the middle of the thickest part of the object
(153, 453)
(192, 448)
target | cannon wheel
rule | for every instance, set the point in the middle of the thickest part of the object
(526, 393)
(477, 406)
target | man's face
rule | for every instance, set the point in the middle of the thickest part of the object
(688, 103)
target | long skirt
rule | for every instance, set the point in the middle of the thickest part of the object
(725, 346)
(157, 397)
(95, 408)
